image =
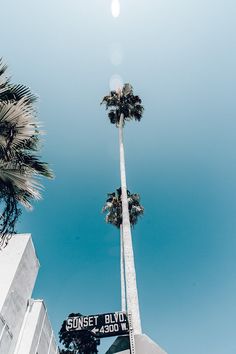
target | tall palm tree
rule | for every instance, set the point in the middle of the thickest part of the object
(20, 166)
(124, 106)
(113, 208)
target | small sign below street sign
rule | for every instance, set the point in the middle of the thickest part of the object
(104, 325)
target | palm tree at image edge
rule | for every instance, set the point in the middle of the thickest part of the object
(20, 166)
(123, 106)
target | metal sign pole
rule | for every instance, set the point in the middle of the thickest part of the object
(131, 335)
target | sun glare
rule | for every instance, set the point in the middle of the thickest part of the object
(115, 8)
(116, 82)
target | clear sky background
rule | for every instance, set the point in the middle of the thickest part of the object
(180, 58)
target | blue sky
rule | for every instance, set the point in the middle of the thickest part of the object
(180, 58)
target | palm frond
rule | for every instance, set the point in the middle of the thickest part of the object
(21, 181)
(123, 102)
(17, 124)
(3, 67)
(20, 166)
(13, 93)
(16, 93)
(9, 217)
(113, 208)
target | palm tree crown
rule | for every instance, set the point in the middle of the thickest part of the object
(123, 102)
(20, 167)
(113, 208)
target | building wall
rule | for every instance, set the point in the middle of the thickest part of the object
(18, 313)
(36, 335)
(18, 271)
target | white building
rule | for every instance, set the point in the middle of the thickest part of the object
(24, 324)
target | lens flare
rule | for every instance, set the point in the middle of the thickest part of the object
(116, 54)
(116, 82)
(115, 8)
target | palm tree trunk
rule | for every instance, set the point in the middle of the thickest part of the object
(130, 274)
(122, 272)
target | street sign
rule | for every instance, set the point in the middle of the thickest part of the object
(104, 325)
